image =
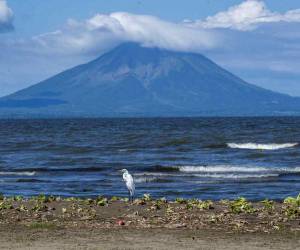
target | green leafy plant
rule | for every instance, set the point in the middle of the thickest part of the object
(5, 205)
(180, 201)
(18, 198)
(268, 205)
(114, 198)
(204, 205)
(22, 208)
(292, 201)
(42, 198)
(101, 201)
(241, 205)
(292, 206)
(39, 207)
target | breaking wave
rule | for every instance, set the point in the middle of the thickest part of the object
(271, 146)
(25, 173)
(216, 172)
(237, 169)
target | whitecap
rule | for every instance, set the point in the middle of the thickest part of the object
(237, 176)
(238, 169)
(257, 146)
(145, 179)
(19, 173)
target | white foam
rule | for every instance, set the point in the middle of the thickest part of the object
(222, 169)
(235, 172)
(18, 173)
(236, 176)
(145, 179)
(239, 169)
(271, 146)
(151, 177)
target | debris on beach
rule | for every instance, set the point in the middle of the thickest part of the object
(228, 215)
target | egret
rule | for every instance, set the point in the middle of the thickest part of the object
(129, 183)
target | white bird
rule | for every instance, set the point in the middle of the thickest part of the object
(129, 183)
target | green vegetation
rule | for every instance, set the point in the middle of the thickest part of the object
(159, 203)
(180, 201)
(195, 203)
(205, 205)
(268, 205)
(5, 205)
(241, 205)
(101, 201)
(115, 198)
(292, 206)
(18, 198)
(39, 207)
(22, 208)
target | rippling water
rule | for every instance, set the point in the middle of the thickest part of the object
(207, 158)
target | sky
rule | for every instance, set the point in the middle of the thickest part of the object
(254, 39)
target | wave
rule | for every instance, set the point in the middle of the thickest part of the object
(24, 173)
(237, 169)
(228, 172)
(238, 176)
(160, 177)
(146, 179)
(271, 146)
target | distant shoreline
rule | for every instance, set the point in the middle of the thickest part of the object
(137, 117)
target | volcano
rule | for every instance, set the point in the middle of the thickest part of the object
(132, 80)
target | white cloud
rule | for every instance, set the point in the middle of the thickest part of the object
(6, 16)
(103, 31)
(273, 47)
(247, 16)
(77, 42)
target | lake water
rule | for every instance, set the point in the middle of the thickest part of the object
(206, 158)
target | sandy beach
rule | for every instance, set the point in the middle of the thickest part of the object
(58, 238)
(55, 223)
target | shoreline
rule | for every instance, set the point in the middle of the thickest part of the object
(71, 221)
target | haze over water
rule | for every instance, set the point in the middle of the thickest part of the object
(206, 158)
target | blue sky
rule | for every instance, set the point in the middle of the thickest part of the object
(257, 40)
